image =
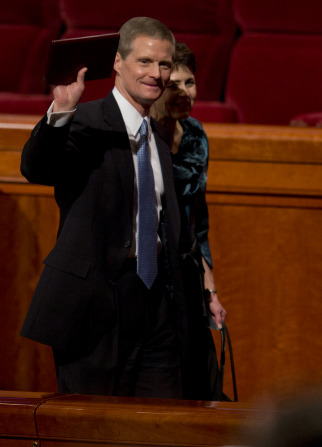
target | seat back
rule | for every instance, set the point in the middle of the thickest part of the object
(26, 30)
(276, 65)
(209, 30)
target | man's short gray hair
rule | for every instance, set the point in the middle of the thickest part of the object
(142, 26)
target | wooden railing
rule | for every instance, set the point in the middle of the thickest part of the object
(48, 420)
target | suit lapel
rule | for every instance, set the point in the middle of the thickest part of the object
(121, 147)
(169, 202)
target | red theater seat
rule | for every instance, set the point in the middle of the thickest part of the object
(274, 77)
(307, 120)
(26, 30)
(209, 30)
(297, 16)
(24, 104)
(276, 65)
(214, 112)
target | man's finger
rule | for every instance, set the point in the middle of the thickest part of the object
(81, 75)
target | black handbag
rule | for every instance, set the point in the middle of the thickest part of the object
(191, 264)
(225, 335)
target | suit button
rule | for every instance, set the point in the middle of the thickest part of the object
(111, 283)
(127, 244)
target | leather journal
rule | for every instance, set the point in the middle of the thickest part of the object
(67, 56)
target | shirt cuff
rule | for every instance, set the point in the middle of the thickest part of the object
(58, 119)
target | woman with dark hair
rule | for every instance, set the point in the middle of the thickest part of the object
(189, 148)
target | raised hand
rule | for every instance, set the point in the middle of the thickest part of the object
(67, 96)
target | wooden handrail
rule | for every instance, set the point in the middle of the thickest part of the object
(57, 418)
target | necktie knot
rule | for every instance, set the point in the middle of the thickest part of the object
(144, 129)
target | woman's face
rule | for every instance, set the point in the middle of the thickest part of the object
(179, 96)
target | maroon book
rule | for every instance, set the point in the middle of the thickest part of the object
(67, 56)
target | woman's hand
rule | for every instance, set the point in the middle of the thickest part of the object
(217, 311)
(212, 302)
(67, 96)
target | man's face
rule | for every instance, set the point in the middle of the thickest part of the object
(144, 74)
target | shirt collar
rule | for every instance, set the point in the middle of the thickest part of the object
(132, 118)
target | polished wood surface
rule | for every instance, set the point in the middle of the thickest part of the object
(265, 160)
(18, 426)
(14, 132)
(28, 226)
(17, 412)
(265, 203)
(57, 419)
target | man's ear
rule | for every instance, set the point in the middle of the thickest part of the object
(117, 62)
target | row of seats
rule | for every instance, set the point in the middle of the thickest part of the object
(26, 30)
(257, 62)
(275, 67)
(28, 26)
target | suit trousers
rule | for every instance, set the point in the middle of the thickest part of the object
(138, 355)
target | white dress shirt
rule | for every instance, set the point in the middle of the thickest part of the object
(133, 120)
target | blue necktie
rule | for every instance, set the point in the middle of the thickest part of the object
(147, 264)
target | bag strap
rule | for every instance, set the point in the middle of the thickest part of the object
(225, 334)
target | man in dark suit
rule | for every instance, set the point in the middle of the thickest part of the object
(112, 332)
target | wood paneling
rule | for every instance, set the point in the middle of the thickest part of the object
(14, 132)
(265, 203)
(28, 227)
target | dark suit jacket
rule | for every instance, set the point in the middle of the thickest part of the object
(93, 175)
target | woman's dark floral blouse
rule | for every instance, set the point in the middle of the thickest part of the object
(190, 165)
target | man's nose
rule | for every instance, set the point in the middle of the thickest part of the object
(155, 70)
